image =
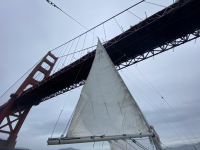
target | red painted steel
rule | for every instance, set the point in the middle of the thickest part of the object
(21, 113)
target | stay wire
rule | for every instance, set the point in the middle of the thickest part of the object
(66, 100)
(167, 116)
(122, 145)
(161, 97)
(168, 104)
(141, 81)
(116, 144)
(69, 121)
(155, 109)
(130, 144)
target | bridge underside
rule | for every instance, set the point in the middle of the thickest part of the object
(173, 26)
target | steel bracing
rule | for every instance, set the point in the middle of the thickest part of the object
(19, 114)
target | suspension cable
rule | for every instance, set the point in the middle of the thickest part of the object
(51, 3)
(154, 4)
(134, 15)
(19, 79)
(96, 25)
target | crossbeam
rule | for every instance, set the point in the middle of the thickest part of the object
(58, 141)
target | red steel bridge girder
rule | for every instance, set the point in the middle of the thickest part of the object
(19, 114)
(131, 61)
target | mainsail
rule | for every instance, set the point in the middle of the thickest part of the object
(106, 106)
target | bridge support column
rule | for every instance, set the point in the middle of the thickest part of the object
(18, 114)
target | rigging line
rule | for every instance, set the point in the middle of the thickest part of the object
(69, 122)
(181, 120)
(65, 13)
(56, 124)
(101, 23)
(133, 75)
(104, 33)
(118, 25)
(130, 144)
(119, 145)
(66, 100)
(162, 98)
(138, 144)
(154, 4)
(134, 15)
(141, 81)
(166, 146)
(116, 144)
(168, 104)
(19, 79)
(155, 108)
(122, 145)
(167, 116)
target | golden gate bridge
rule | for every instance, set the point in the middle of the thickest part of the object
(56, 73)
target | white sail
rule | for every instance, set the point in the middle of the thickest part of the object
(105, 106)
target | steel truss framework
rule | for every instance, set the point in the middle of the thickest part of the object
(160, 49)
(151, 53)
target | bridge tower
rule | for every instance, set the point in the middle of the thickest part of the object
(19, 114)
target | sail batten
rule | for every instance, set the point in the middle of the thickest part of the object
(105, 105)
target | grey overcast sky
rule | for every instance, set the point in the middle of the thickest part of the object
(29, 29)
